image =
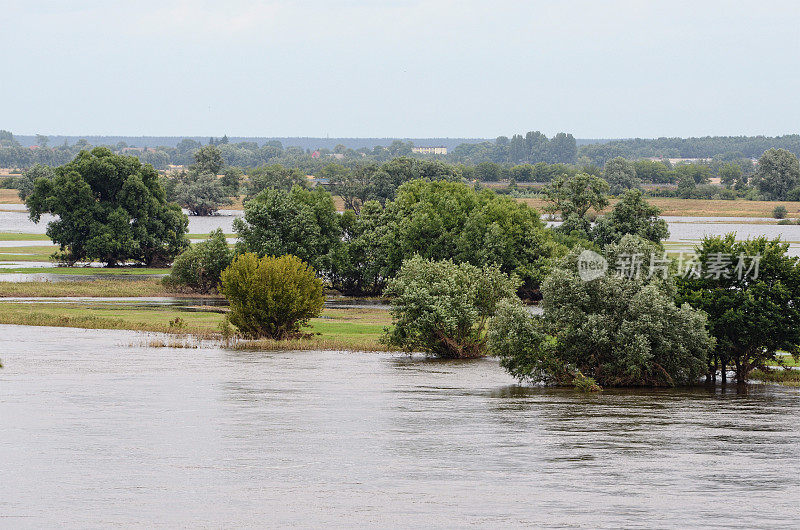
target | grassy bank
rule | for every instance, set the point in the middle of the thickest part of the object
(336, 329)
(779, 376)
(38, 253)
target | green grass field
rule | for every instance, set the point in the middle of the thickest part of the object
(336, 329)
(38, 253)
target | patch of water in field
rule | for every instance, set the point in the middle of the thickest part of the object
(17, 221)
(98, 430)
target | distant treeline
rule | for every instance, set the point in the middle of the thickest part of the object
(730, 147)
(311, 154)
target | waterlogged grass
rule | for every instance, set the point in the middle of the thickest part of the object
(779, 376)
(42, 253)
(336, 329)
(95, 288)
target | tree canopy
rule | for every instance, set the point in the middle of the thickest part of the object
(777, 174)
(110, 208)
(300, 222)
(751, 293)
(618, 330)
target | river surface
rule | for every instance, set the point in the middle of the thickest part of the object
(99, 431)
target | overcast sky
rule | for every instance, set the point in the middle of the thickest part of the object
(400, 68)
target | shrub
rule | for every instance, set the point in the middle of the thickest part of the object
(442, 308)
(779, 212)
(271, 297)
(200, 267)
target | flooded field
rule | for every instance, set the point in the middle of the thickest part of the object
(14, 218)
(100, 430)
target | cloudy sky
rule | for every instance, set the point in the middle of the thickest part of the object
(403, 68)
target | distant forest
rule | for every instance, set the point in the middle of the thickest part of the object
(309, 154)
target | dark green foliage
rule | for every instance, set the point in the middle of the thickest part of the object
(25, 182)
(274, 176)
(300, 222)
(621, 176)
(271, 297)
(442, 308)
(778, 173)
(616, 330)
(448, 220)
(779, 212)
(200, 266)
(631, 215)
(359, 265)
(110, 209)
(751, 318)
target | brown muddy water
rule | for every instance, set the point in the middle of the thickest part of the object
(99, 430)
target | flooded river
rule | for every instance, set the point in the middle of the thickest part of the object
(98, 430)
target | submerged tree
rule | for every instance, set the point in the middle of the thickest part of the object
(616, 329)
(110, 208)
(441, 307)
(751, 293)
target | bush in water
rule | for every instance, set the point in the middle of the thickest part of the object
(616, 330)
(441, 307)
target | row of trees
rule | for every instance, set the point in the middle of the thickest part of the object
(709, 147)
(531, 148)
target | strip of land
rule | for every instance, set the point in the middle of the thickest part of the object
(353, 329)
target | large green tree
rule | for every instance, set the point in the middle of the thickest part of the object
(200, 190)
(621, 175)
(110, 208)
(631, 215)
(751, 293)
(778, 173)
(273, 176)
(449, 220)
(618, 330)
(300, 222)
(442, 307)
(573, 196)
